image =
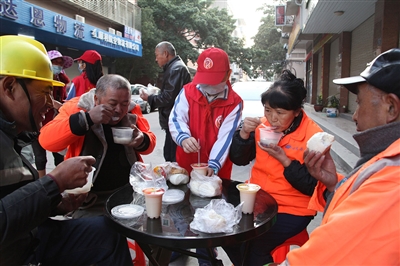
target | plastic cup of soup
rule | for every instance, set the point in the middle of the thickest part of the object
(200, 168)
(248, 193)
(122, 135)
(153, 197)
(269, 136)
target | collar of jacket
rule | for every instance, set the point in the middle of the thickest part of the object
(165, 67)
(8, 127)
(373, 141)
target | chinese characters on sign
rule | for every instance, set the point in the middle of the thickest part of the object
(78, 30)
(37, 17)
(110, 40)
(7, 9)
(60, 24)
(280, 18)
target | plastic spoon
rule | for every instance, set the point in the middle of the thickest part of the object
(198, 153)
(250, 168)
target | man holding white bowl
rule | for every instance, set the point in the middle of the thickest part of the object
(84, 126)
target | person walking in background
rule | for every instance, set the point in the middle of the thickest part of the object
(176, 74)
(59, 63)
(278, 168)
(84, 126)
(361, 222)
(91, 68)
(28, 235)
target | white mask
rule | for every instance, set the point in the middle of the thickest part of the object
(213, 89)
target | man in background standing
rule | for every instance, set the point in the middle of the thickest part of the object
(176, 74)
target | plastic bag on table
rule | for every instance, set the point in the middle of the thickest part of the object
(205, 186)
(142, 176)
(173, 172)
(218, 216)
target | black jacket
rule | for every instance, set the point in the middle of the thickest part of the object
(176, 74)
(25, 203)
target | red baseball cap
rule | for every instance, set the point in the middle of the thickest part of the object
(90, 56)
(212, 66)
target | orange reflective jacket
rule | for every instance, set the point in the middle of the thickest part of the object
(362, 223)
(268, 172)
(57, 136)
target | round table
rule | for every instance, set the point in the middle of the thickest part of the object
(172, 230)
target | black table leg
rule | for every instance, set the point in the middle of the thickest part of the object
(245, 253)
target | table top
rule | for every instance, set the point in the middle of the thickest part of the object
(172, 229)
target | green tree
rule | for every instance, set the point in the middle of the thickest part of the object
(268, 53)
(188, 25)
(241, 56)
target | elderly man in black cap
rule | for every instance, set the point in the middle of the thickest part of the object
(361, 223)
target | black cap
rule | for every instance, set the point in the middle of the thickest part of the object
(383, 73)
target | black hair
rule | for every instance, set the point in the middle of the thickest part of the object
(287, 92)
(94, 71)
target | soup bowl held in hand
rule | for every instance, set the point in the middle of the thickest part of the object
(122, 135)
(269, 136)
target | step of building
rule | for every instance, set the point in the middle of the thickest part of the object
(344, 150)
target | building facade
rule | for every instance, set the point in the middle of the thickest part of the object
(335, 39)
(112, 28)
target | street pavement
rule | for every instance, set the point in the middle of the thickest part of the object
(342, 127)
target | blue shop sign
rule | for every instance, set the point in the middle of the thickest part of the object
(37, 18)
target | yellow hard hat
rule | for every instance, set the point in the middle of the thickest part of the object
(25, 58)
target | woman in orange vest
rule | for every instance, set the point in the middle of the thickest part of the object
(278, 168)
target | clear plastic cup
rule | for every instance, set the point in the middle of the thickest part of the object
(269, 136)
(248, 193)
(122, 135)
(86, 188)
(200, 168)
(153, 197)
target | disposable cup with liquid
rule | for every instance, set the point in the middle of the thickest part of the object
(200, 168)
(153, 197)
(248, 193)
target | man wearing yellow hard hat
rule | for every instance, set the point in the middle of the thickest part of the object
(28, 235)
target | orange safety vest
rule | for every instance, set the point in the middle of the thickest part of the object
(362, 223)
(268, 172)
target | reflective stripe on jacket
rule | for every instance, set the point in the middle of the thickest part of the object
(362, 223)
(212, 123)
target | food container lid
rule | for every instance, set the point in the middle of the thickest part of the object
(172, 196)
(127, 211)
